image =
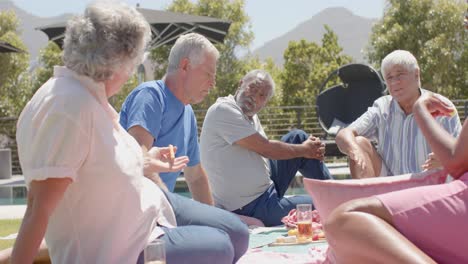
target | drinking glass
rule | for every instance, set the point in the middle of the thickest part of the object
(304, 221)
(155, 252)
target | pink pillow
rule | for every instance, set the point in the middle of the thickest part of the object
(329, 194)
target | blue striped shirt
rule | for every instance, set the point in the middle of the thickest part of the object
(401, 144)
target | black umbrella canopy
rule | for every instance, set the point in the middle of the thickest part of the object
(166, 27)
(7, 47)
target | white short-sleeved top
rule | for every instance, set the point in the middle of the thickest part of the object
(401, 144)
(110, 210)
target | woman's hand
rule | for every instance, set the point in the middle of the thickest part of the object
(435, 105)
(159, 160)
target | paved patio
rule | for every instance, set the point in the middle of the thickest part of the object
(12, 211)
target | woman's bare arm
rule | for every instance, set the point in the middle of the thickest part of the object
(452, 152)
(43, 197)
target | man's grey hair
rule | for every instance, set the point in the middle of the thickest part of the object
(259, 77)
(107, 37)
(399, 57)
(193, 46)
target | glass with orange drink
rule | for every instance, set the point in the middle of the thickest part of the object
(304, 221)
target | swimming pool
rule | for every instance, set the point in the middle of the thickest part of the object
(13, 195)
(18, 195)
(13, 191)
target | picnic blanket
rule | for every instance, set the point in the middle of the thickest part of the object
(260, 252)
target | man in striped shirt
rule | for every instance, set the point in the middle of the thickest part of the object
(401, 147)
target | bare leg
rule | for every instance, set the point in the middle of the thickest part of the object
(361, 231)
(371, 159)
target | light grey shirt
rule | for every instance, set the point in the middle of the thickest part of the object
(237, 175)
(401, 144)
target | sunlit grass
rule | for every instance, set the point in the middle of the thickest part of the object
(7, 227)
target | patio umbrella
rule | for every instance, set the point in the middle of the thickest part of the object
(166, 27)
(7, 47)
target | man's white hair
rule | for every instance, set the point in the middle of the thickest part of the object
(193, 46)
(399, 57)
(259, 77)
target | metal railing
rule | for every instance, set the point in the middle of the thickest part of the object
(276, 122)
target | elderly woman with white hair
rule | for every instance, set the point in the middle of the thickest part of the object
(401, 146)
(85, 174)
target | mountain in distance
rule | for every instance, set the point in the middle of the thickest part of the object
(353, 34)
(32, 38)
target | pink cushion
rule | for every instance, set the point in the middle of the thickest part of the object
(329, 194)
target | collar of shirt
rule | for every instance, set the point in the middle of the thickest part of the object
(397, 106)
(97, 89)
(232, 100)
(170, 94)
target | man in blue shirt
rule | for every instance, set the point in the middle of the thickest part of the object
(158, 113)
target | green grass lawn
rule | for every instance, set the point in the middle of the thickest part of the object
(8, 227)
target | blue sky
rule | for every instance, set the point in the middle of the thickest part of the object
(269, 18)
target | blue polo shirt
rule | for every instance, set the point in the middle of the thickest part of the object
(155, 108)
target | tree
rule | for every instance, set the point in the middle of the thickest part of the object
(433, 31)
(230, 69)
(15, 88)
(307, 65)
(118, 99)
(49, 56)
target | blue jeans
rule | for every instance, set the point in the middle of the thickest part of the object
(204, 234)
(271, 206)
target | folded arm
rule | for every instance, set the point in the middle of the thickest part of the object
(451, 152)
(311, 148)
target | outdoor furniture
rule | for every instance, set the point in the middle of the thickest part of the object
(7, 47)
(166, 27)
(339, 105)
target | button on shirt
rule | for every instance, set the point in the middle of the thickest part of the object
(110, 210)
(401, 144)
